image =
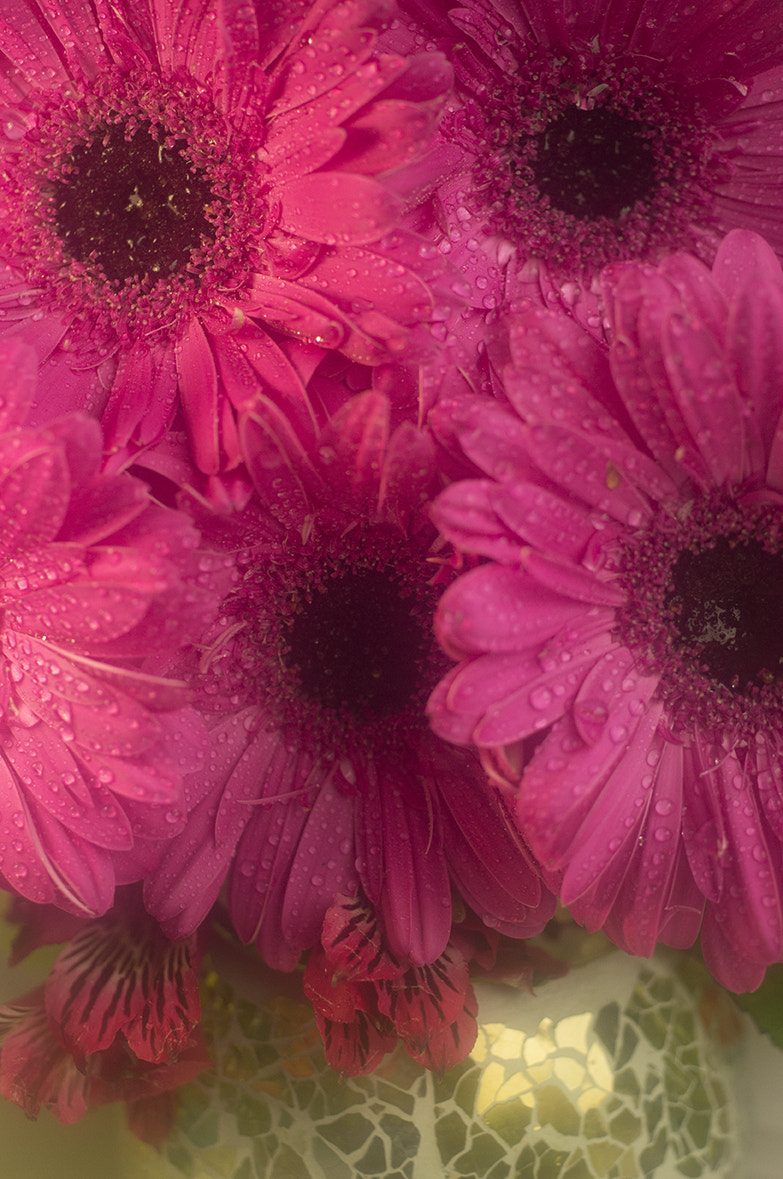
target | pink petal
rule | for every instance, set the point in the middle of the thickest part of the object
(490, 864)
(632, 293)
(293, 151)
(100, 506)
(703, 825)
(750, 909)
(733, 969)
(614, 478)
(34, 492)
(34, 54)
(493, 608)
(82, 874)
(415, 901)
(358, 434)
(311, 85)
(543, 698)
(492, 437)
(570, 580)
(187, 36)
(708, 399)
(607, 839)
(322, 867)
(83, 614)
(450, 725)
(334, 207)
(702, 300)
(278, 463)
(743, 259)
(23, 861)
(191, 871)
(53, 778)
(199, 392)
(298, 312)
(20, 372)
(565, 778)
(544, 520)
(249, 362)
(363, 278)
(465, 513)
(558, 373)
(388, 135)
(755, 353)
(644, 910)
(142, 399)
(769, 783)
(408, 467)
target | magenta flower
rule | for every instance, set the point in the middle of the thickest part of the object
(203, 198)
(627, 624)
(94, 576)
(598, 132)
(324, 777)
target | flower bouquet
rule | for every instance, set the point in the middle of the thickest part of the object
(391, 478)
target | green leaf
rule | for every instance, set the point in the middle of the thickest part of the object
(765, 1005)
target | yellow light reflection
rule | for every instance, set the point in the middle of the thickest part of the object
(561, 1069)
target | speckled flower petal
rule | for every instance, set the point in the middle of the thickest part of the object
(566, 776)
(493, 608)
(415, 897)
(324, 205)
(121, 977)
(708, 399)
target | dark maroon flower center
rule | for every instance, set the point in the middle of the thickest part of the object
(727, 602)
(586, 158)
(132, 203)
(357, 644)
(333, 638)
(594, 163)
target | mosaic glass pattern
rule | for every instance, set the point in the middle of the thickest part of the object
(606, 1074)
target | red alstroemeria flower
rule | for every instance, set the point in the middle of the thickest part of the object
(365, 999)
(116, 1020)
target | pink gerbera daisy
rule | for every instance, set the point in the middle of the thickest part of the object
(189, 199)
(628, 622)
(324, 777)
(93, 576)
(593, 132)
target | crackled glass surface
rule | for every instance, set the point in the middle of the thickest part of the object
(608, 1073)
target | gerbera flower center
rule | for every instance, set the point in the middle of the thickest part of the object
(135, 203)
(356, 644)
(588, 158)
(334, 639)
(132, 204)
(594, 163)
(705, 610)
(728, 603)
